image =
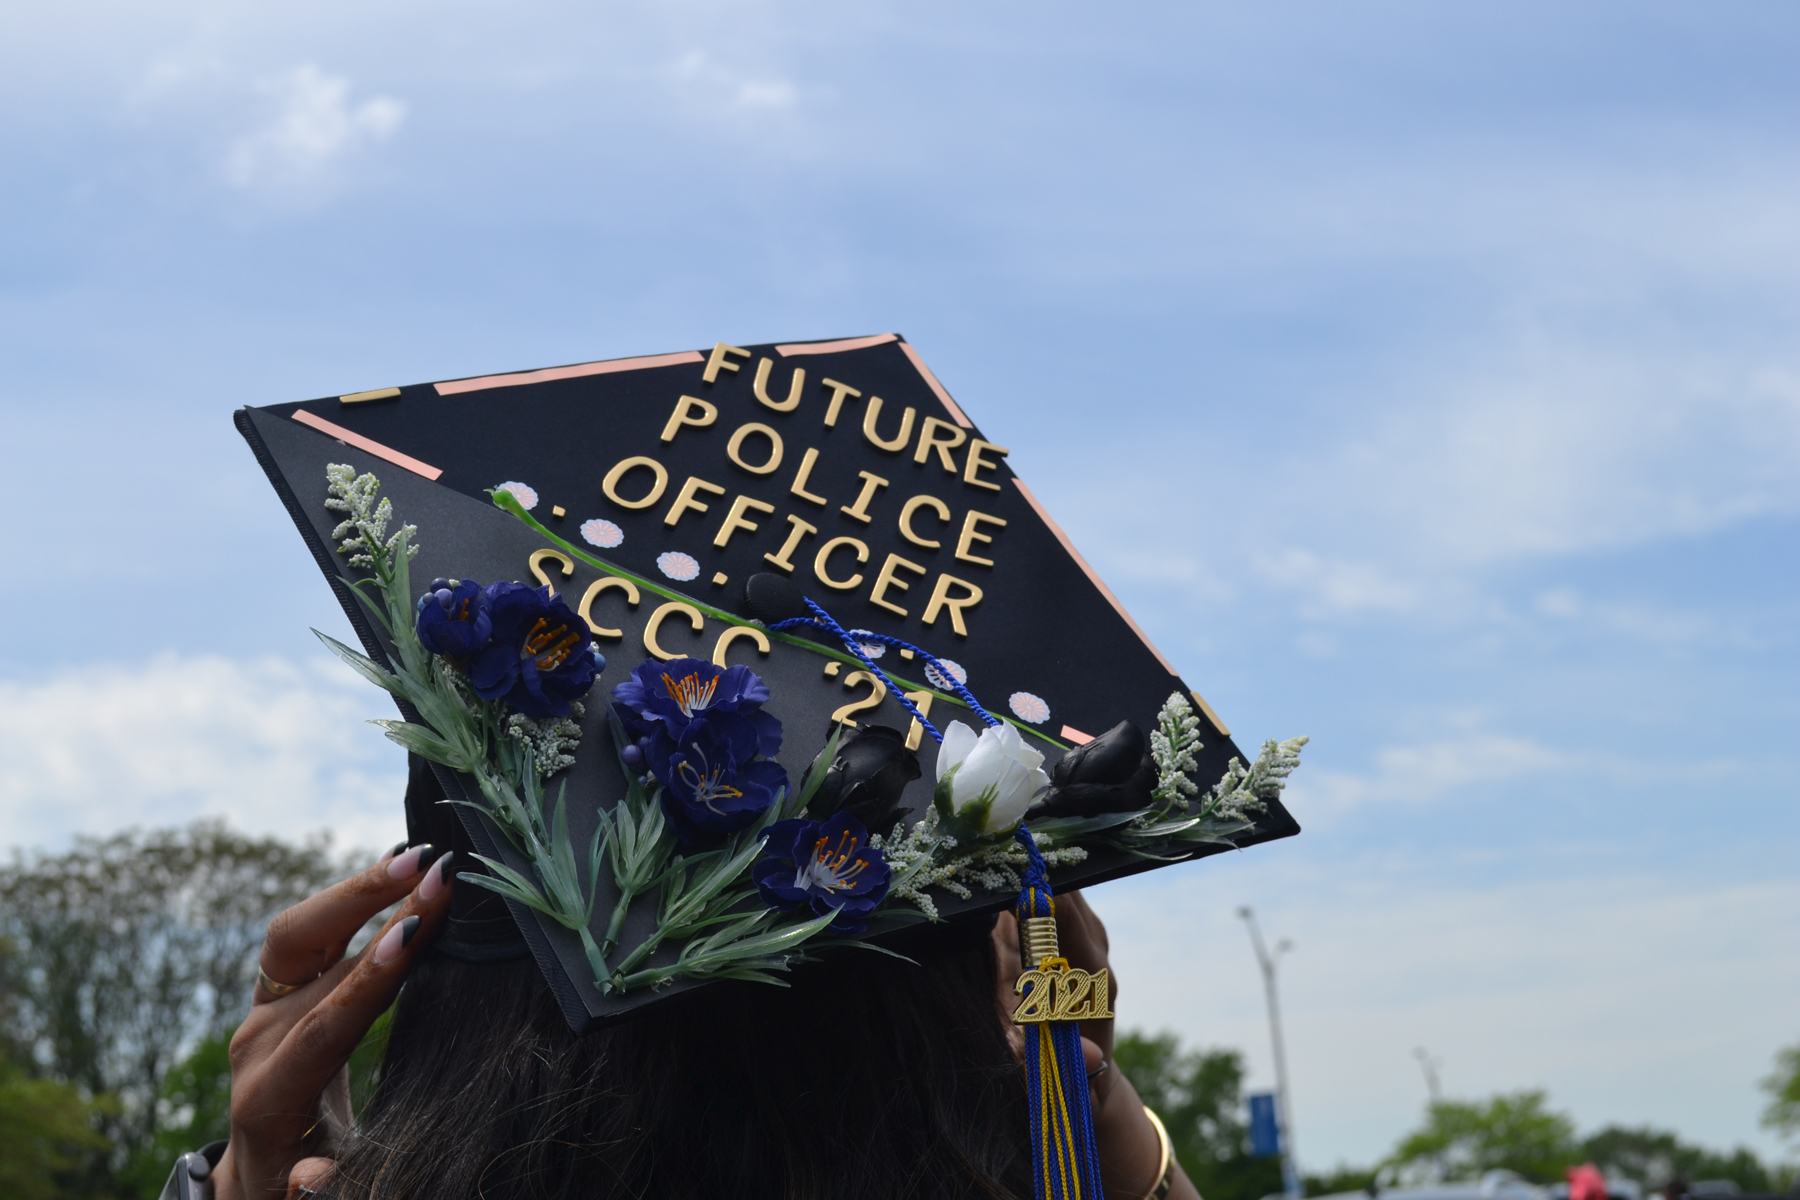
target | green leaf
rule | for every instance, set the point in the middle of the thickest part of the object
(363, 665)
(532, 898)
(815, 774)
(787, 938)
(524, 891)
(378, 611)
(423, 742)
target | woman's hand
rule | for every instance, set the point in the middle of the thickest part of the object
(1130, 1151)
(290, 1095)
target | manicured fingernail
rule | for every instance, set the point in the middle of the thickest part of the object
(406, 865)
(394, 941)
(436, 878)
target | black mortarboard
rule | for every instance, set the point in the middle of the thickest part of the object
(683, 507)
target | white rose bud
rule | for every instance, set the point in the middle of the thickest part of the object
(985, 783)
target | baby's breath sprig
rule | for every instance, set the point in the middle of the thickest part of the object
(362, 534)
(1172, 746)
(1242, 792)
(553, 740)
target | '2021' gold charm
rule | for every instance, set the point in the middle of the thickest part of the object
(1055, 991)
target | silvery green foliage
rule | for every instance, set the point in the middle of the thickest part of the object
(1241, 792)
(361, 533)
(1177, 825)
(923, 857)
(1172, 746)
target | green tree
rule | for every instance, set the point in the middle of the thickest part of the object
(1654, 1157)
(129, 953)
(46, 1132)
(1197, 1093)
(1462, 1139)
(1783, 1086)
(193, 1107)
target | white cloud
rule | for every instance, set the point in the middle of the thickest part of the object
(315, 127)
(269, 745)
(1557, 447)
(1661, 627)
(1422, 773)
(1331, 586)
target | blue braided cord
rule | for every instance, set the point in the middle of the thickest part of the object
(894, 689)
(1035, 879)
(823, 620)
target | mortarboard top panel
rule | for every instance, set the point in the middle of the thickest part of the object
(843, 465)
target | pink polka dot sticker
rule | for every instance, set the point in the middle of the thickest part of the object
(677, 566)
(1029, 708)
(603, 534)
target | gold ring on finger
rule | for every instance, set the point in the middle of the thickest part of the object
(275, 988)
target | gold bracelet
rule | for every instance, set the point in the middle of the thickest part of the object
(1165, 1171)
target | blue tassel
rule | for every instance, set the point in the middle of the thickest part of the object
(1065, 1159)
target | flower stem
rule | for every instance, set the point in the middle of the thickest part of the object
(617, 922)
(596, 958)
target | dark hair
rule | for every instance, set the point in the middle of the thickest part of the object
(870, 1077)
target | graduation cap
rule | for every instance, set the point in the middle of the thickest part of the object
(680, 635)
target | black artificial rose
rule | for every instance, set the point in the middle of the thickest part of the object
(871, 769)
(1112, 773)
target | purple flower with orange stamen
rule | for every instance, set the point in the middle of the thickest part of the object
(540, 656)
(829, 865)
(713, 784)
(660, 698)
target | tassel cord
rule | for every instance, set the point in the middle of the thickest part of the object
(853, 643)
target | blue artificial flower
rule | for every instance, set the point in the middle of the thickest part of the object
(540, 656)
(660, 698)
(453, 619)
(713, 784)
(829, 865)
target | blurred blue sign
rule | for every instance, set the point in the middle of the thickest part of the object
(1265, 1133)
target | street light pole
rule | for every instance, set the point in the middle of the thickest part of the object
(1290, 1171)
(1429, 1065)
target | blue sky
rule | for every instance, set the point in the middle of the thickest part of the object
(1422, 376)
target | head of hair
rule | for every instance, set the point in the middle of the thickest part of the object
(871, 1076)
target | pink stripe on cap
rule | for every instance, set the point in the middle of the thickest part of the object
(862, 343)
(955, 412)
(456, 386)
(350, 438)
(1092, 578)
(1075, 735)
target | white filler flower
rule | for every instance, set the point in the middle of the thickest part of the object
(985, 783)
